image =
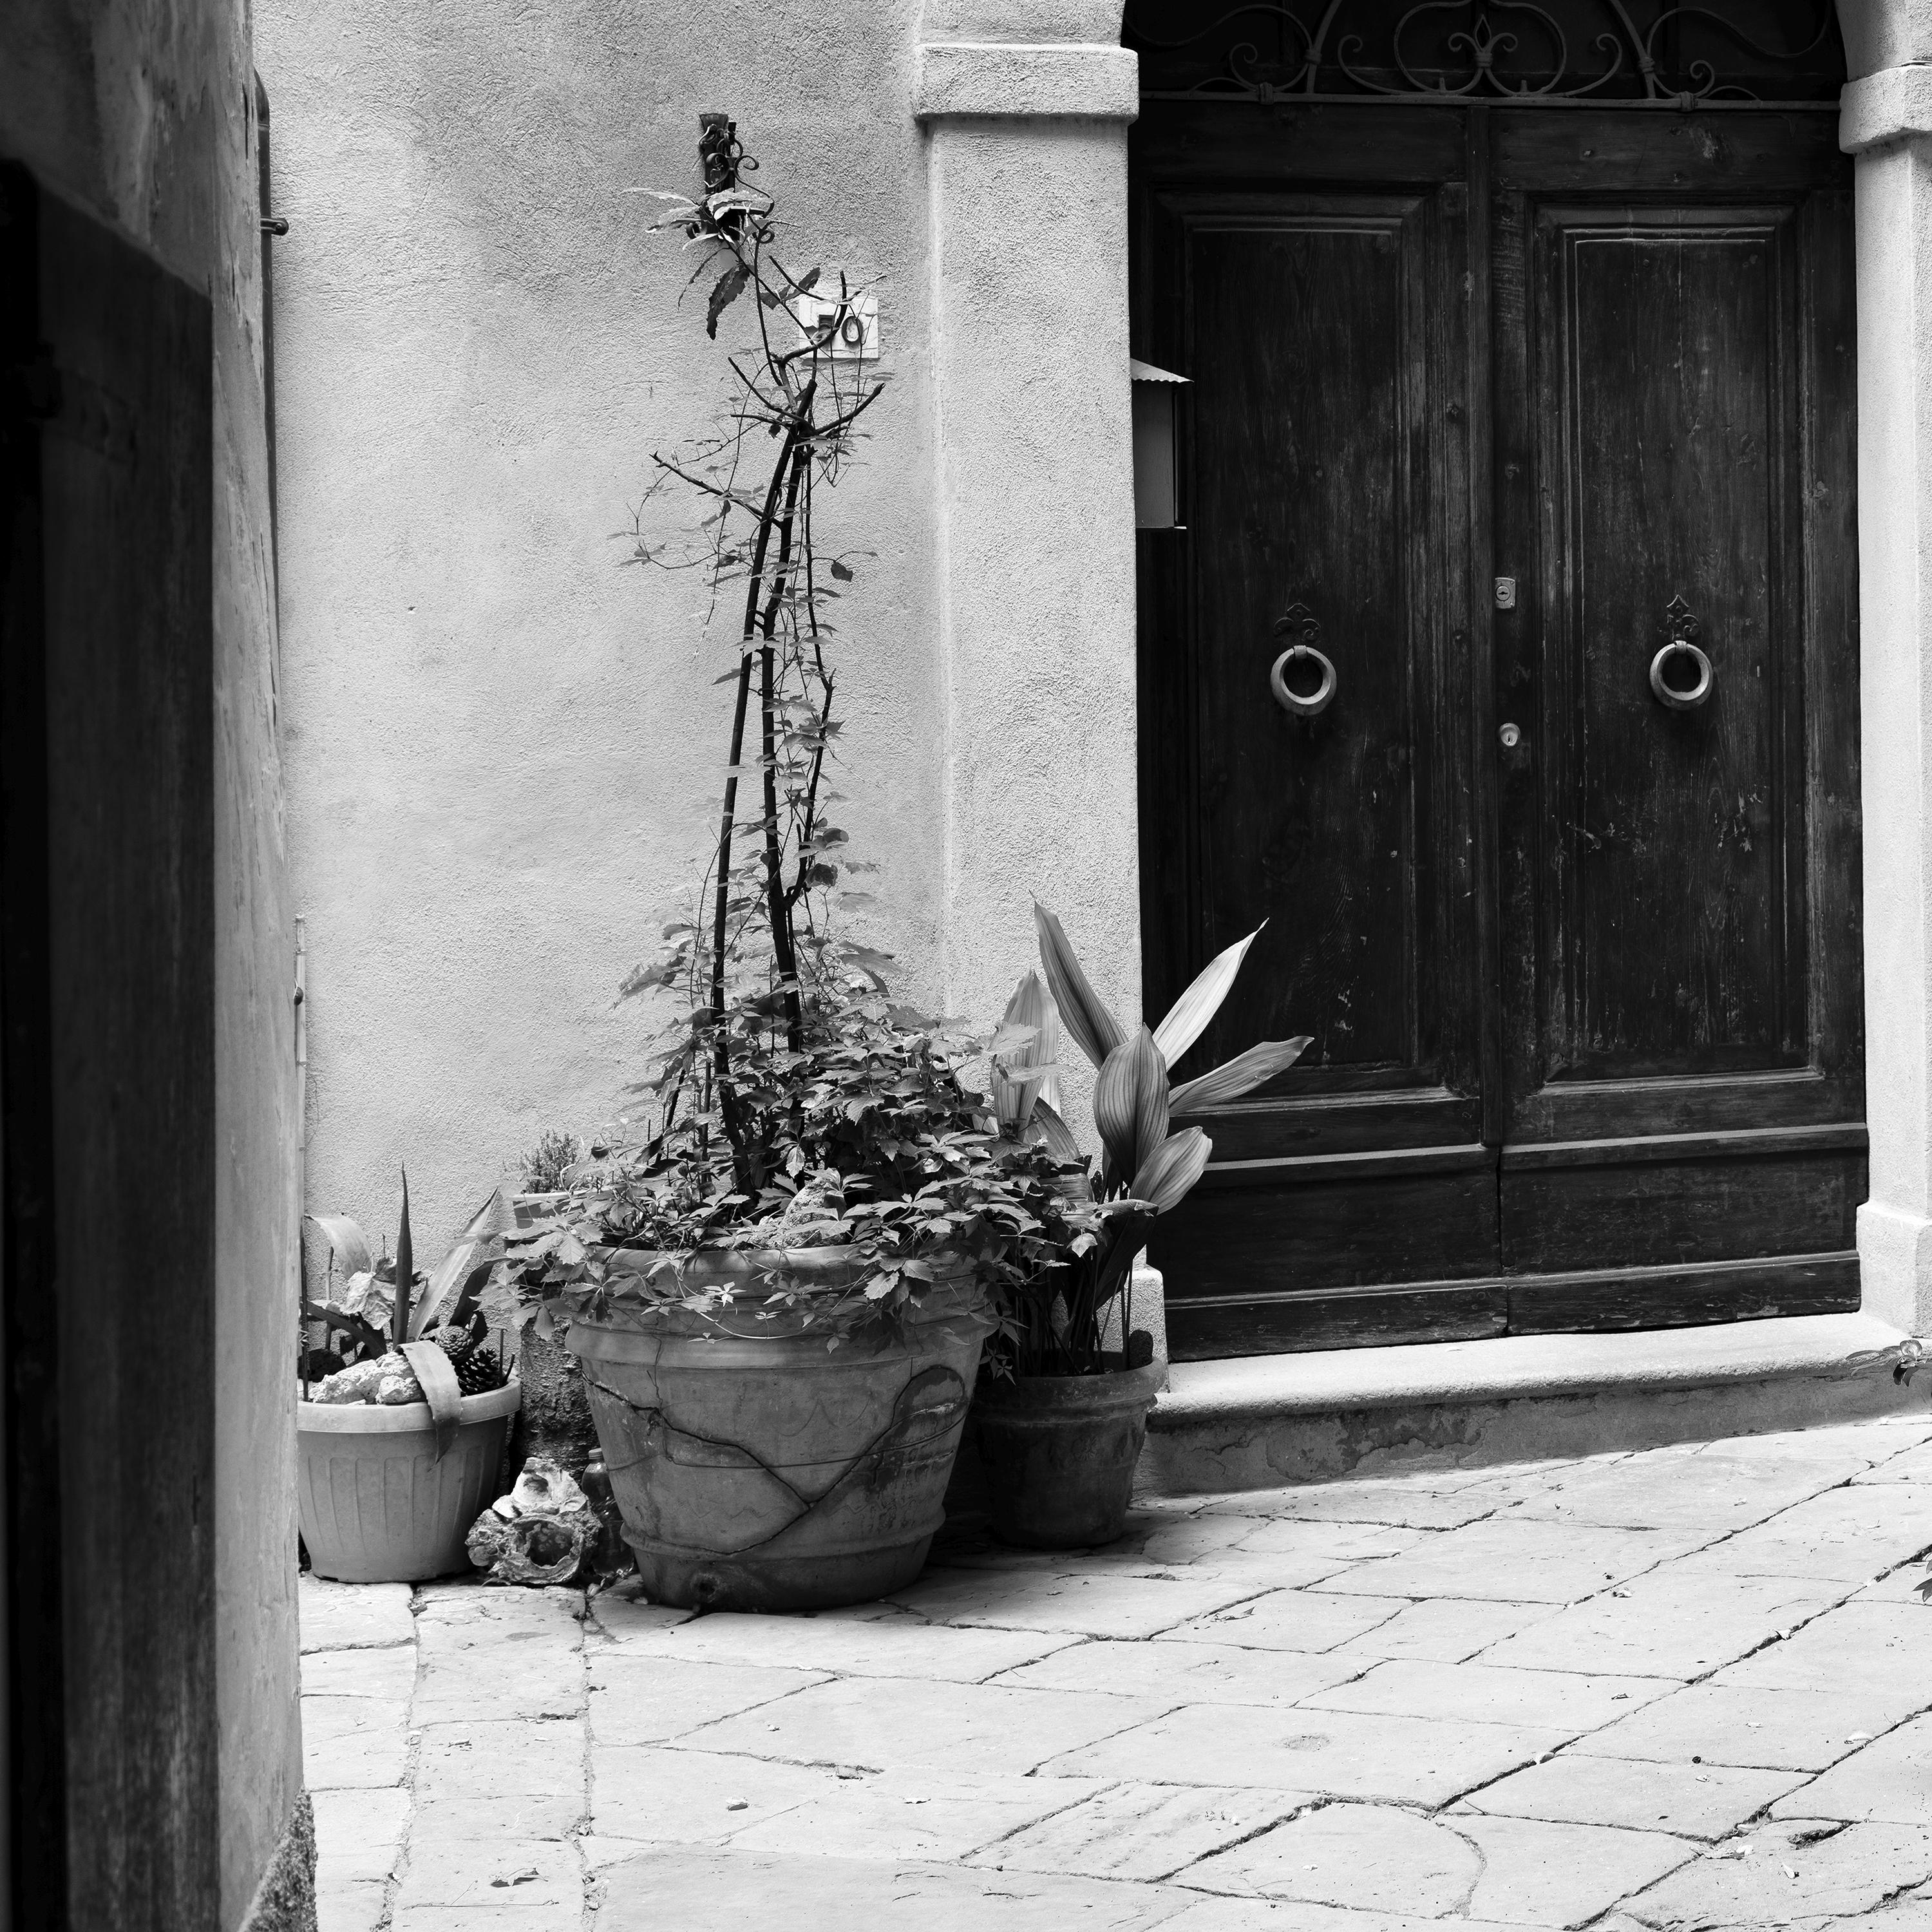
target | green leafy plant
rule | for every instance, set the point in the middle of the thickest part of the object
(381, 1304)
(791, 1104)
(1056, 1315)
(546, 1167)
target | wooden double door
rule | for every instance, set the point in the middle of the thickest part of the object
(1531, 434)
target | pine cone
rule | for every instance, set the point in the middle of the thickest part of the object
(477, 1373)
(458, 1344)
(477, 1370)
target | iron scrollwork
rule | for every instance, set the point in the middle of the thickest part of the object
(1508, 52)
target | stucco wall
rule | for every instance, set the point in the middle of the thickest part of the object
(143, 113)
(504, 750)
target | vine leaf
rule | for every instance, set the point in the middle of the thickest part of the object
(728, 287)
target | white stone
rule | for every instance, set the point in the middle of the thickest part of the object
(1513, 1561)
(495, 1758)
(854, 1724)
(1303, 1620)
(936, 1815)
(672, 1887)
(1168, 1672)
(484, 1874)
(1780, 1729)
(1557, 1700)
(343, 1616)
(1409, 1760)
(1372, 1859)
(1444, 1630)
(388, 1674)
(358, 1834)
(1676, 1623)
(894, 1646)
(352, 1742)
(1090, 1601)
(1887, 1781)
(641, 1700)
(1140, 1831)
(1788, 1874)
(1690, 1801)
(353, 1905)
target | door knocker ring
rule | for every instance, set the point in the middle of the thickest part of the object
(1300, 622)
(1317, 701)
(1683, 622)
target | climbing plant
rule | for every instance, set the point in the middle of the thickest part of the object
(791, 1102)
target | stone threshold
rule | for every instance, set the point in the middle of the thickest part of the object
(1259, 1421)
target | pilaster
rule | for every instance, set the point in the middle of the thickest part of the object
(1026, 117)
(1887, 123)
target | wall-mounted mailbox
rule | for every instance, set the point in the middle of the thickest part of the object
(1156, 494)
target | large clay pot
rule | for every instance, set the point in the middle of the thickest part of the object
(758, 1469)
(376, 1505)
(1058, 1453)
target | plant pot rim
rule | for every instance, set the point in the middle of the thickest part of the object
(1111, 1389)
(843, 1261)
(398, 1418)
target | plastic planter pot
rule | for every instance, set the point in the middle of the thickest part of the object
(755, 1468)
(1059, 1453)
(376, 1505)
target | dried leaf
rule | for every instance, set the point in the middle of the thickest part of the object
(346, 1238)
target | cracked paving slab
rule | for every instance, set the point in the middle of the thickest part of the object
(1638, 1691)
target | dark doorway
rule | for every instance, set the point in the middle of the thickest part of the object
(1535, 423)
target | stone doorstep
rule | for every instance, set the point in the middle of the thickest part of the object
(1259, 1421)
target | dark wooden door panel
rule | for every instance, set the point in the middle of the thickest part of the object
(1324, 462)
(1674, 876)
(1306, 438)
(1586, 1007)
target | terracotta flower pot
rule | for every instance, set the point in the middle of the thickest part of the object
(758, 1469)
(376, 1505)
(1059, 1453)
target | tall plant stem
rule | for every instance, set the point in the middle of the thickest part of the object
(799, 429)
(778, 904)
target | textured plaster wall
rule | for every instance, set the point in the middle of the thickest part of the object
(1035, 478)
(503, 749)
(141, 112)
(1885, 33)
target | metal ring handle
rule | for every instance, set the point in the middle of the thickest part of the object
(1313, 706)
(1681, 701)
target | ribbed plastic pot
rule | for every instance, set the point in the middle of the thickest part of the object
(757, 1469)
(376, 1507)
(1059, 1453)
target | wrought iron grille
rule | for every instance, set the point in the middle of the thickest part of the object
(1621, 53)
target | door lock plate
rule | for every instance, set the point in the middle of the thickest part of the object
(1505, 593)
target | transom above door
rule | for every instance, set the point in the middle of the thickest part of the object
(1506, 667)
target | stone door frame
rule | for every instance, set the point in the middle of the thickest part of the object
(1026, 104)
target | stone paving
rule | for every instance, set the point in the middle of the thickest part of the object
(1688, 1687)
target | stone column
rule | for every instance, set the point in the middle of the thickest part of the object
(1026, 104)
(1887, 124)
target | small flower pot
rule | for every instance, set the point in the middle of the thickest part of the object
(1059, 1453)
(376, 1505)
